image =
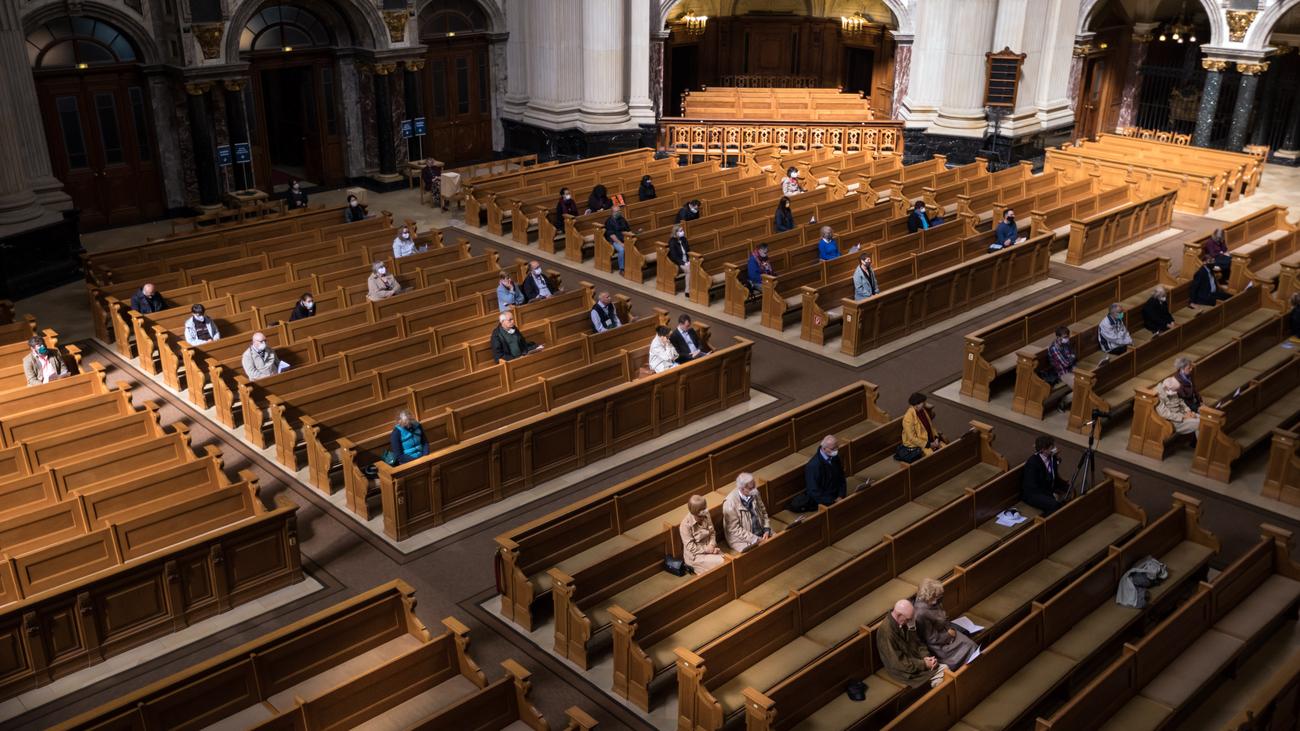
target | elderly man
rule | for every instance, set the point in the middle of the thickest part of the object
(381, 285)
(906, 657)
(744, 516)
(1156, 316)
(260, 360)
(823, 478)
(42, 364)
(147, 300)
(604, 316)
(535, 285)
(1112, 334)
(507, 342)
(1183, 369)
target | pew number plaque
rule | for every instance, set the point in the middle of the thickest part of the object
(1002, 77)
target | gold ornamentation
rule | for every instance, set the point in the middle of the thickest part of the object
(1214, 64)
(1282, 48)
(384, 69)
(414, 64)
(1252, 69)
(396, 22)
(1082, 51)
(1239, 22)
(234, 85)
(1143, 37)
(209, 38)
(198, 88)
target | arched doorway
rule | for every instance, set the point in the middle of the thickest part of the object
(296, 126)
(96, 109)
(456, 83)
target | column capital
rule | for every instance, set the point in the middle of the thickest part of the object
(414, 64)
(234, 85)
(395, 20)
(1252, 69)
(1239, 22)
(198, 88)
(209, 38)
(1282, 48)
(1214, 64)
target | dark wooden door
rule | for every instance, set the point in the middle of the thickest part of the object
(296, 121)
(458, 102)
(1092, 103)
(102, 145)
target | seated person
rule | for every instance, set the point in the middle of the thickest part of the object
(381, 285)
(1155, 312)
(1183, 368)
(646, 191)
(744, 516)
(951, 647)
(355, 211)
(699, 539)
(1041, 485)
(784, 220)
(790, 185)
(616, 228)
(920, 437)
(604, 316)
(1205, 289)
(1216, 249)
(200, 328)
(823, 478)
(904, 654)
(431, 178)
(919, 218)
(404, 245)
(297, 197)
(41, 364)
(1173, 409)
(757, 266)
(679, 253)
(566, 206)
(598, 200)
(260, 360)
(535, 285)
(662, 353)
(1007, 233)
(828, 248)
(407, 442)
(147, 300)
(1060, 364)
(508, 293)
(1293, 317)
(688, 212)
(305, 307)
(507, 342)
(1112, 334)
(864, 279)
(686, 340)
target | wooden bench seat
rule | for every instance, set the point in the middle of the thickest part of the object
(1243, 701)
(1265, 402)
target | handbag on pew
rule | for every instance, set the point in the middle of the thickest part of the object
(908, 454)
(857, 691)
(674, 565)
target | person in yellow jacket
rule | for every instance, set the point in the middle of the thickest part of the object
(919, 431)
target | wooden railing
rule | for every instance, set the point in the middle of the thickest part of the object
(724, 138)
(780, 81)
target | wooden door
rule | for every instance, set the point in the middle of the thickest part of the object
(102, 145)
(458, 102)
(1092, 105)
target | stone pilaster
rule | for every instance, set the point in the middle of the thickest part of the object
(657, 49)
(517, 60)
(163, 106)
(383, 74)
(556, 63)
(962, 112)
(640, 106)
(237, 126)
(902, 73)
(604, 72)
(354, 130)
(1259, 134)
(1245, 103)
(203, 136)
(1209, 100)
(20, 97)
(1137, 55)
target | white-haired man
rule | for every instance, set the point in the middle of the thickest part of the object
(744, 516)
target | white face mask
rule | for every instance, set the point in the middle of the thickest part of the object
(568, 197)
(259, 347)
(835, 453)
(406, 236)
(537, 270)
(354, 204)
(309, 305)
(794, 174)
(198, 318)
(382, 270)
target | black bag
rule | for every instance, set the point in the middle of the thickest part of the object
(908, 454)
(857, 691)
(801, 503)
(674, 565)
(1049, 376)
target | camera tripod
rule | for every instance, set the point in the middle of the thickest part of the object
(1085, 475)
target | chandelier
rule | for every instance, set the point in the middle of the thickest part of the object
(854, 24)
(694, 24)
(1179, 30)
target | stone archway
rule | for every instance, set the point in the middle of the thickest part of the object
(1258, 34)
(1218, 27)
(365, 25)
(114, 15)
(899, 8)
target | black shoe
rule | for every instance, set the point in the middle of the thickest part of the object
(1063, 407)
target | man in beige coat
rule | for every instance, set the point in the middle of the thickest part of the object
(744, 517)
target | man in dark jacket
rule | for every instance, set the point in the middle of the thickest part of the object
(297, 197)
(688, 212)
(1205, 290)
(1155, 312)
(616, 228)
(1041, 483)
(507, 342)
(535, 285)
(304, 308)
(687, 341)
(147, 300)
(1007, 233)
(918, 219)
(823, 477)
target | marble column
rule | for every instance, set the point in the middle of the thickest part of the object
(640, 106)
(205, 154)
(354, 135)
(556, 64)
(1209, 100)
(162, 105)
(1291, 141)
(1137, 56)
(1076, 77)
(1245, 104)
(501, 74)
(237, 124)
(1259, 135)
(658, 47)
(962, 112)
(515, 96)
(411, 105)
(604, 26)
(21, 99)
(902, 73)
(384, 119)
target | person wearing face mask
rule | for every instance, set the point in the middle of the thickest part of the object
(1061, 360)
(904, 654)
(952, 648)
(42, 364)
(679, 253)
(1155, 311)
(1112, 334)
(508, 293)
(784, 220)
(662, 354)
(864, 279)
(1183, 373)
(616, 228)
(381, 285)
(688, 212)
(757, 266)
(1171, 407)
(404, 244)
(304, 308)
(297, 197)
(535, 285)
(699, 538)
(920, 437)
(823, 478)
(354, 211)
(431, 179)
(508, 342)
(1041, 484)
(1205, 288)
(646, 192)
(1007, 233)
(407, 441)
(200, 328)
(827, 247)
(744, 516)
(260, 360)
(1216, 249)
(919, 218)
(565, 206)
(598, 200)
(791, 185)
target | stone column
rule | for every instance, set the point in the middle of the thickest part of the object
(556, 63)
(1245, 104)
(205, 153)
(1078, 61)
(1209, 100)
(21, 99)
(1137, 56)
(384, 119)
(902, 72)
(1291, 142)
(604, 79)
(658, 47)
(237, 124)
(354, 135)
(962, 112)
(516, 90)
(501, 75)
(1259, 135)
(411, 104)
(640, 106)
(162, 103)
(19, 209)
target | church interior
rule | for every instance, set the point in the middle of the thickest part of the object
(677, 365)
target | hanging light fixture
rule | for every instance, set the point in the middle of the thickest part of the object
(854, 24)
(695, 24)
(1179, 30)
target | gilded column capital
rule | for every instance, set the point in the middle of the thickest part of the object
(384, 69)
(209, 37)
(1082, 50)
(234, 84)
(1282, 48)
(1252, 69)
(396, 22)
(1239, 22)
(198, 88)
(1214, 64)
(414, 64)
(1143, 37)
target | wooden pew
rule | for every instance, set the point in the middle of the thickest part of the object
(1108, 230)
(1251, 235)
(1229, 430)
(1198, 189)
(20, 427)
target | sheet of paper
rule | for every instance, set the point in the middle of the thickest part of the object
(973, 655)
(967, 626)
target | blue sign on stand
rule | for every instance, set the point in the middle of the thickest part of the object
(223, 155)
(419, 126)
(242, 153)
(406, 129)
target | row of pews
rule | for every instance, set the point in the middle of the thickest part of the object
(114, 530)
(758, 103)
